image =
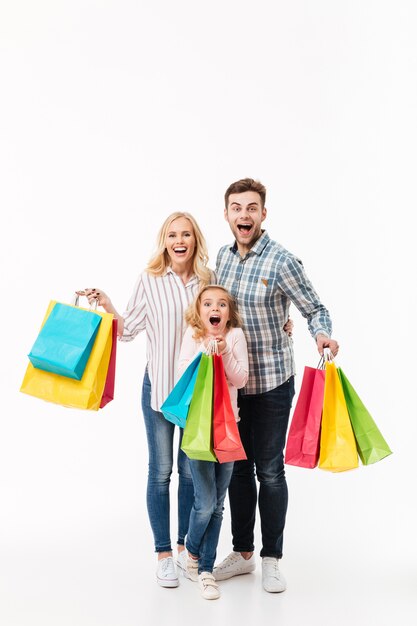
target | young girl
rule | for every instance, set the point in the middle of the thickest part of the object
(213, 315)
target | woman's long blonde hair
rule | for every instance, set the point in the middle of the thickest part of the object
(160, 260)
(193, 317)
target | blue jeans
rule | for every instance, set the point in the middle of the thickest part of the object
(263, 428)
(160, 435)
(211, 481)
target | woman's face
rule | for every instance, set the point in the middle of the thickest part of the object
(180, 243)
(214, 311)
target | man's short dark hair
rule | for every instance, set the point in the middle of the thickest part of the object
(246, 184)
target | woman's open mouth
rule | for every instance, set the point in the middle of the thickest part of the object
(180, 250)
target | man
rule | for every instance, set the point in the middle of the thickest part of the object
(264, 278)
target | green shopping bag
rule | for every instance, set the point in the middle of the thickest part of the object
(371, 445)
(197, 440)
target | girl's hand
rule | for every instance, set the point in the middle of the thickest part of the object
(221, 344)
(219, 339)
(96, 295)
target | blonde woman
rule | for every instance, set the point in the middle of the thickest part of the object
(160, 297)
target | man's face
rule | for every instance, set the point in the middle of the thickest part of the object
(245, 214)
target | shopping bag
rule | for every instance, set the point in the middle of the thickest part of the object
(227, 444)
(337, 443)
(197, 440)
(65, 341)
(108, 393)
(303, 442)
(176, 406)
(81, 394)
(371, 445)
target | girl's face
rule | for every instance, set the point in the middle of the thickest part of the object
(180, 243)
(214, 311)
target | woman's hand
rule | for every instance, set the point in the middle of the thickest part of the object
(102, 299)
(288, 327)
(96, 295)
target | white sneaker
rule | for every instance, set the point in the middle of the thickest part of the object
(272, 579)
(209, 587)
(166, 574)
(181, 560)
(234, 565)
(191, 569)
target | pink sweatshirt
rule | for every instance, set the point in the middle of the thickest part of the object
(235, 360)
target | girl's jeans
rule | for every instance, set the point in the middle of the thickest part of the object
(211, 481)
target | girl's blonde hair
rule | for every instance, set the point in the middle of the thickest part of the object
(193, 318)
(160, 260)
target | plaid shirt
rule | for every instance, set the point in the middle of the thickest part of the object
(264, 283)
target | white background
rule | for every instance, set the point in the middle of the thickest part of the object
(113, 115)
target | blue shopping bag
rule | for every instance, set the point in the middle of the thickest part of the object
(175, 408)
(65, 341)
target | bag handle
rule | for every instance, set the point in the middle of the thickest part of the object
(212, 347)
(327, 357)
(76, 300)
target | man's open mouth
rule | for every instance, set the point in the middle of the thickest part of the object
(245, 228)
(214, 320)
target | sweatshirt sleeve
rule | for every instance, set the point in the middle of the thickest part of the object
(235, 358)
(189, 349)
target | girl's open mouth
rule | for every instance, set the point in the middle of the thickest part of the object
(214, 320)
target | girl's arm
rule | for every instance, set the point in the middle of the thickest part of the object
(187, 352)
(235, 359)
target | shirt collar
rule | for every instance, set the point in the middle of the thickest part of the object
(192, 280)
(258, 247)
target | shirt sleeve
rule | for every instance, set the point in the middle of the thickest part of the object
(135, 314)
(235, 359)
(298, 287)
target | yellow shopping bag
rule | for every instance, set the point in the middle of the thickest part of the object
(338, 450)
(80, 394)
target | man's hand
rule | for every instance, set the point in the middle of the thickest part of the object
(324, 342)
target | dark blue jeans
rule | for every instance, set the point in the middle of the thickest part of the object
(160, 435)
(263, 428)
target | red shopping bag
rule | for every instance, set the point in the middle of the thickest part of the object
(227, 444)
(108, 393)
(303, 443)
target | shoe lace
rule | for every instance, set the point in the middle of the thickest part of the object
(229, 560)
(167, 564)
(273, 564)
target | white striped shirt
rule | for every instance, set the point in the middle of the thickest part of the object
(157, 305)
